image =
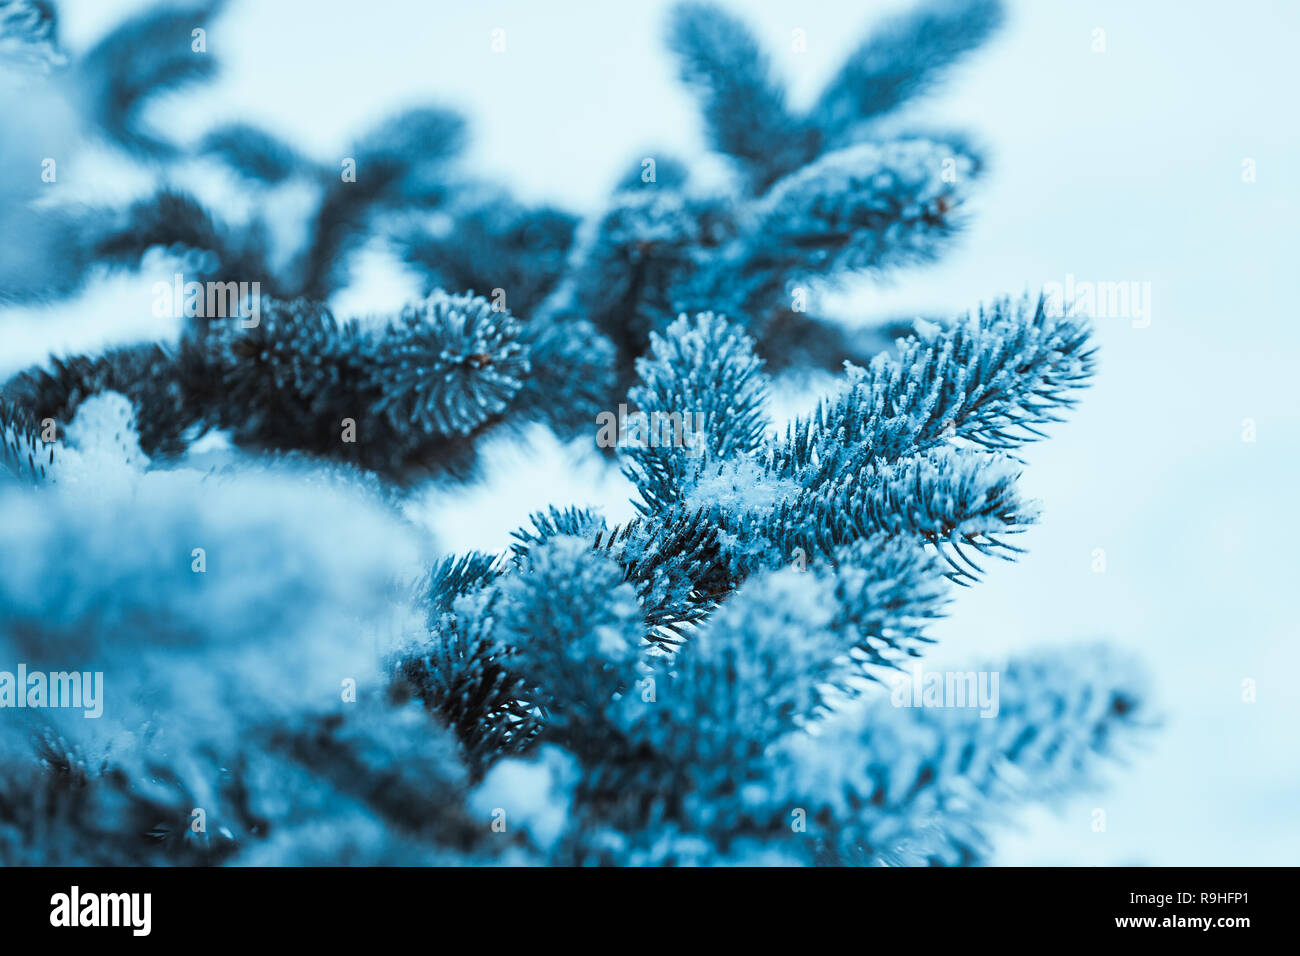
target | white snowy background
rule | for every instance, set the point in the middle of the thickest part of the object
(1123, 165)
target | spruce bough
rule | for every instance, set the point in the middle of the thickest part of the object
(700, 684)
(293, 676)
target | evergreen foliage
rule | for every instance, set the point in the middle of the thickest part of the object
(817, 197)
(291, 675)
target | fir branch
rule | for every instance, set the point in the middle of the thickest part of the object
(576, 651)
(865, 207)
(944, 498)
(654, 254)
(119, 88)
(887, 591)
(158, 381)
(447, 365)
(742, 103)
(571, 376)
(440, 371)
(703, 379)
(903, 58)
(555, 522)
(408, 154)
(629, 266)
(252, 153)
(496, 245)
(456, 575)
(989, 379)
(23, 456)
(463, 675)
(681, 564)
(420, 388)
(756, 671)
(935, 778)
(178, 223)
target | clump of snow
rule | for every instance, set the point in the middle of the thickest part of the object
(103, 445)
(533, 794)
(739, 486)
(207, 603)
